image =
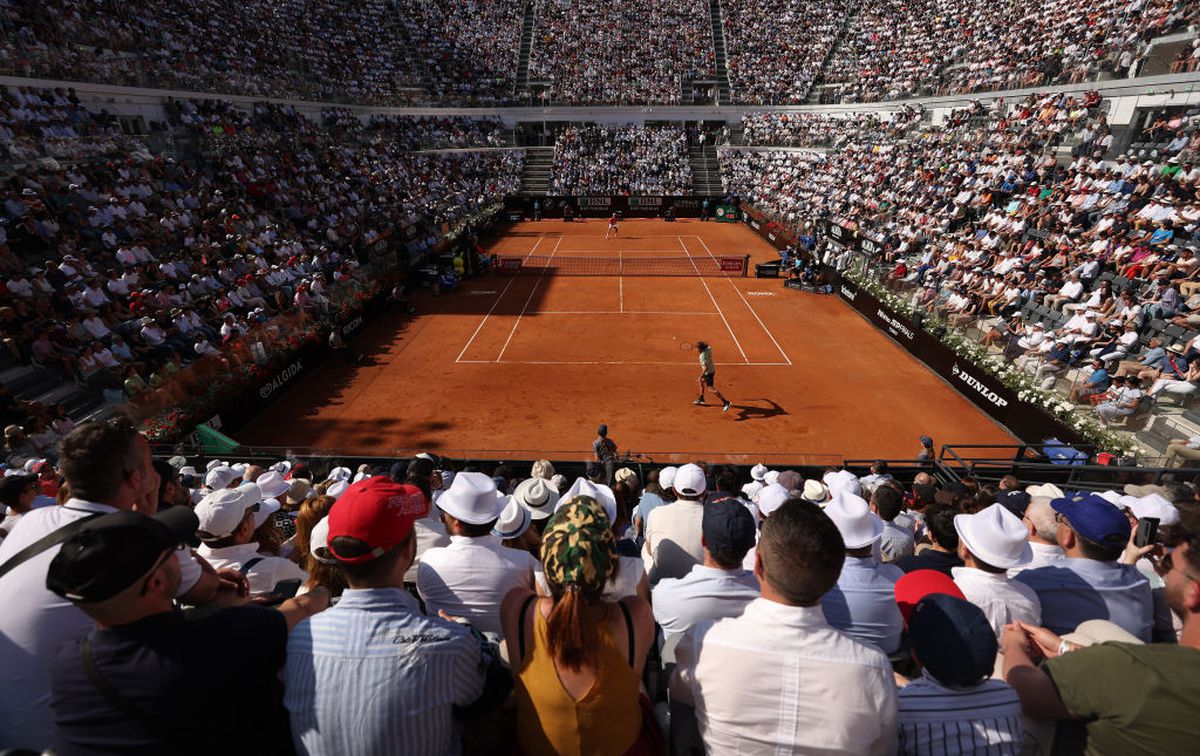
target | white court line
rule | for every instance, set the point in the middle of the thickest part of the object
(527, 301)
(614, 312)
(714, 300)
(618, 362)
(621, 277)
(488, 314)
(748, 307)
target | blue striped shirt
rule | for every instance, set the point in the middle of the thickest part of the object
(941, 721)
(374, 675)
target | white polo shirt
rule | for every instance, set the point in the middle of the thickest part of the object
(34, 622)
(470, 577)
(263, 574)
(672, 544)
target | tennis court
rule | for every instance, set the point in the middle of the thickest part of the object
(571, 333)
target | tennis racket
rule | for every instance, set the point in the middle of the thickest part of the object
(686, 346)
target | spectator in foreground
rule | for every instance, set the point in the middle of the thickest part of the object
(418, 669)
(897, 541)
(579, 658)
(227, 528)
(107, 467)
(717, 588)
(135, 683)
(942, 554)
(739, 673)
(1088, 583)
(863, 603)
(1118, 697)
(673, 531)
(955, 707)
(470, 577)
(990, 543)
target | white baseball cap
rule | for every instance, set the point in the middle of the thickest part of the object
(666, 477)
(690, 481)
(1152, 505)
(996, 536)
(221, 512)
(220, 477)
(771, 498)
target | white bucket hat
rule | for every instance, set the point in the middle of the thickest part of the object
(843, 481)
(340, 473)
(996, 536)
(538, 496)
(514, 520)
(758, 472)
(1048, 490)
(815, 491)
(220, 477)
(601, 493)
(1152, 505)
(266, 508)
(855, 521)
(471, 498)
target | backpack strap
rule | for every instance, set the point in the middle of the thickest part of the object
(521, 626)
(127, 707)
(249, 565)
(53, 538)
(628, 628)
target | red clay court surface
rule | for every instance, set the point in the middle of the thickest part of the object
(525, 366)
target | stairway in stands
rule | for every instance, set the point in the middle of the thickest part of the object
(706, 171)
(415, 62)
(722, 71)
(818, 89)
(539, 163)
(526, 49)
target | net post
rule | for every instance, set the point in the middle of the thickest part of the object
(746, 267)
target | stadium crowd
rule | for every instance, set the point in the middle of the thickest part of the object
(121, 268)
(468, 49)
(621, 160)
(500, 612)
(1105, 244)
(776, 50)
(782, 129)
(620, 53)
(354, 50)
(892, 50)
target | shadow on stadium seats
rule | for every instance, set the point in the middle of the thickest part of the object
(756, 412)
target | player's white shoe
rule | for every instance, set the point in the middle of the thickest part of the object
(727, 406)
(699, 401)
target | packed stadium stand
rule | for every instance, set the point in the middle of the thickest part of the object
(205, 203)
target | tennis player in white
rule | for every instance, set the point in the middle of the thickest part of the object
(707, 373)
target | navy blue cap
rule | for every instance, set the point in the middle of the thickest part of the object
(602, 430)
(925, 441)
(953, 639)
(1014, 501)
(1095, 518)
(727, 526)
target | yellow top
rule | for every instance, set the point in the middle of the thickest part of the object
(607, 720)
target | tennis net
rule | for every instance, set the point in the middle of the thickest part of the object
(678, 265)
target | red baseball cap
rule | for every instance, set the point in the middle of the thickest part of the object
(918, 584)
(378, 512)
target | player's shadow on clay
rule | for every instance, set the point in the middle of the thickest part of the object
(756, 412)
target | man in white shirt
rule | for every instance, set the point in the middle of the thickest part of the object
(228, 519)
(1042, 525)
(674, 531)
(1069, 292)
(470, 577)
(718, 587)
(990, 543)
(108, 468)
(779, 679)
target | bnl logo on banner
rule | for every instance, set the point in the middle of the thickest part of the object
(978, 386)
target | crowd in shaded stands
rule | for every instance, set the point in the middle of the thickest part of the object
(504, 612)
(468, 49)
(312, 50)
(775, 50)
(621, 160)
(627, 53)
(121, 267)
(892, 50)
(394, 51)
(1058, 264)
(820, 130)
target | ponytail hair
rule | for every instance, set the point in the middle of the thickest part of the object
(579, 556)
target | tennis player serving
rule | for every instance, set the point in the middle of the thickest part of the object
(707, 373)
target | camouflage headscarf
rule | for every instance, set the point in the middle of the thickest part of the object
(578, 547)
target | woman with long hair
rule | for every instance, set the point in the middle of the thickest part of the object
(579, 658)
(312, 511)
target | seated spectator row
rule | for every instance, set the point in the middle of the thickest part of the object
(621, 160)
(118, 272)
(784, 129)
(953, 618)
(632, 52)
